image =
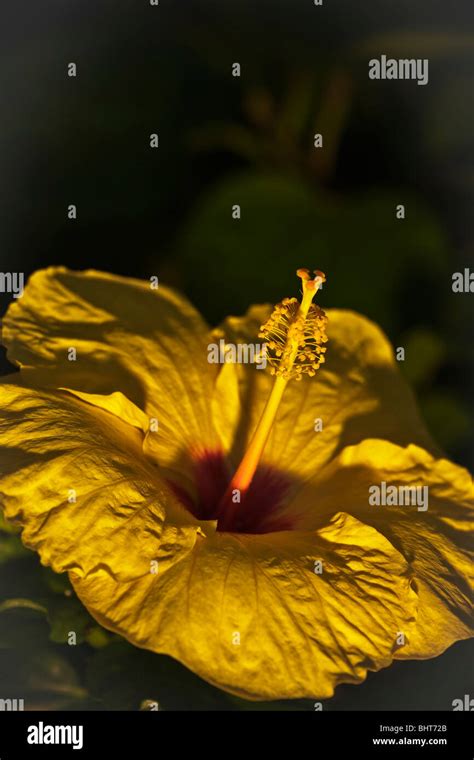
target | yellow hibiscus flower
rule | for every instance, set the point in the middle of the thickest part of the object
(217, 513)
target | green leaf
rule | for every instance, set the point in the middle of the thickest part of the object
(59, 583)
(64, 615)
(97, 637)
(6, 527)
(11, 547)
(51, 672)
(29, 604)
(23, 623)
(67, 615)
(43, 677)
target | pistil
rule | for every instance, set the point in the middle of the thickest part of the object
(294, 335)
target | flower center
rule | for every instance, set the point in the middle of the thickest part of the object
(263, 508)
(251, 501)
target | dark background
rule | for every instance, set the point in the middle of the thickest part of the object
(167, 212)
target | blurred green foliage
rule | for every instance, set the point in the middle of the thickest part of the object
(365, 251)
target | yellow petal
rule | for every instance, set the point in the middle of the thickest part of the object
(250, 614)
(75, 477)
(437, 542)
(149, 345)
(115, 403)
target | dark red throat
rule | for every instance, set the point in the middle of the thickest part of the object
(260, 509)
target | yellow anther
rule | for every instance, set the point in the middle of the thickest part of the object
(297, 332)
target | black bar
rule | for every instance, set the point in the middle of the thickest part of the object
(120, 734)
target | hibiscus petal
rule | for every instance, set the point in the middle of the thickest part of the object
(150, 345)
(437, 542)
(74, 476)
(251, 615)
